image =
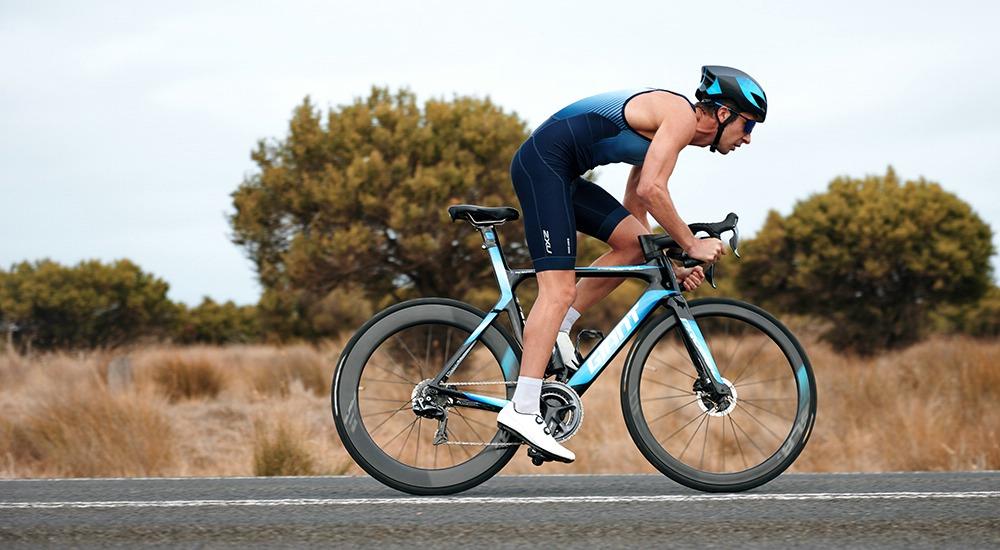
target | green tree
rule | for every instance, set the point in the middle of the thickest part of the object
(214, 323)
(357, 198)
(873, 256)
(89, 305)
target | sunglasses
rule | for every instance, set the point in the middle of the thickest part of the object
(748, 123)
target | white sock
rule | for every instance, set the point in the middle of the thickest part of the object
(528, 395)
(571, 316)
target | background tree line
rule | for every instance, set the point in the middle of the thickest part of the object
(347, 214)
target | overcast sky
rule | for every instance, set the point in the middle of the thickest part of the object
(125, 126)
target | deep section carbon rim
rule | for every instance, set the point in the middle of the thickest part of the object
(713, 446)
(376, 379)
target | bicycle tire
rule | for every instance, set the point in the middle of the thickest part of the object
(348, 417)
(748, 318)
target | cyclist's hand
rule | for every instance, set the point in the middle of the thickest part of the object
(690, 278)
(707, 250)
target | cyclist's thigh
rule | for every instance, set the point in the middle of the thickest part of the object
(546, 204)
(597, 213)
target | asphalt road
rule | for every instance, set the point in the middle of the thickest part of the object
(920, 510)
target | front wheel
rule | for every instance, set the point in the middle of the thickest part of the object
(710, 448)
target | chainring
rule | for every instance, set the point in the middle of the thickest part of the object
(561, 409)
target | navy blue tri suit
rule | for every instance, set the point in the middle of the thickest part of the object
(546, 170)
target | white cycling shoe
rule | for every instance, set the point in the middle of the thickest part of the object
(532, 429)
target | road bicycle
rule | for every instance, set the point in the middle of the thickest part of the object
(717, 394)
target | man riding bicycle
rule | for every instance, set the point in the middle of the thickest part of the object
(647, 129)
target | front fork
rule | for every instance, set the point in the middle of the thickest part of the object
(709, 377)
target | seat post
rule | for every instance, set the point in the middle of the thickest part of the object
(491, 240)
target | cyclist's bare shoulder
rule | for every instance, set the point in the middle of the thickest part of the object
(647, 112)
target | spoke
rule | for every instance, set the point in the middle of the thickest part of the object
(736, 349)
(474, 375)
(427, 355)
(416, 454)
(471, 427)
(387, 411)
(391, 381)
(751, 403)
(436, 447)
(750, 361)
(769, 399)
(670, 397)
(451, 453)
(690, 439)
(447, 345)
(702, 415)
(745, 384)
(723, 453)
(708, 426)
(416, 422)
(393, 438)
(473, 420)
(668, 365)
(769, 430)
(672, 411)
(392, 373)
(393, 413)
(414, 357)
(745, 434)
(736, 436)
(669, 386)
(366, 399)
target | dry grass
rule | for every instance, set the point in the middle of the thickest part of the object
(90, 434)
(930, 407)
(280, 450)
(179, 378)
(257, 410)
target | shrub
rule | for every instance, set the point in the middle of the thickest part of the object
(85, 306)
(874, 256)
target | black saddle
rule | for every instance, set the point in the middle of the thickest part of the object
(482, 215)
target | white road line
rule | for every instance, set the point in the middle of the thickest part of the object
(493, 500)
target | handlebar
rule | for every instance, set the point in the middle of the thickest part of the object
(653, 245)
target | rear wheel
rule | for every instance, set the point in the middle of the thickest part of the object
(378, 372)
(710, 447)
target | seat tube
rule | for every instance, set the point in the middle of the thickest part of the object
(491, 243)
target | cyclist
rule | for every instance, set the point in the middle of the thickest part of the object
(648, 129)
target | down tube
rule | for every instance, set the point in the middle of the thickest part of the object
(612, 344)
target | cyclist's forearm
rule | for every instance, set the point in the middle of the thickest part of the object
(658, 202)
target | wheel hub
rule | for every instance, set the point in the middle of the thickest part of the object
(715, 405)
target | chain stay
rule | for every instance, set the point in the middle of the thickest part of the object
(480, 443)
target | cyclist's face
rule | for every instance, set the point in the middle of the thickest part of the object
(735, 134)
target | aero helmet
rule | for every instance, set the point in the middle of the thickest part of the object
(718, 83)
(726, 83)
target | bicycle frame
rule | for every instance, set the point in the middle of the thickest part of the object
(662, 290)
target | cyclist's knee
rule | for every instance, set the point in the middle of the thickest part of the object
(625, 239)
(558, 290)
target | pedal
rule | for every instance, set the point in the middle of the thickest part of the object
(537, 458)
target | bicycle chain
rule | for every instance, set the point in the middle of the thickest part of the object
(480, 443)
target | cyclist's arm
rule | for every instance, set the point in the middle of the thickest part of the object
(661, 157)
(632, 202)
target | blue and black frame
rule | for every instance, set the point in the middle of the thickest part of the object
(662, 289)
